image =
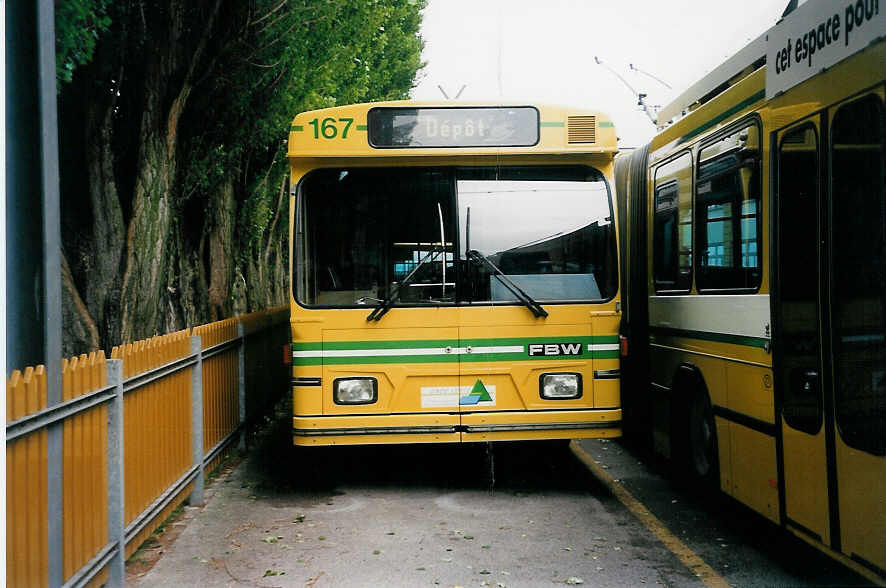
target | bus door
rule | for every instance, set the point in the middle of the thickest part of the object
(857, 311)
(798, 336)
(830, 317)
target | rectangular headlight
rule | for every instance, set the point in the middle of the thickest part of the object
(560, 386)
(355, 390)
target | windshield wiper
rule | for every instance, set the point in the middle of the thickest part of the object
(386, 304)
(533, 306)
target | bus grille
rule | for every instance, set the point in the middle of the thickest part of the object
(582, 129)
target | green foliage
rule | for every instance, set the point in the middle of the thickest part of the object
(78, 26)
(290, 57)
(239, 72)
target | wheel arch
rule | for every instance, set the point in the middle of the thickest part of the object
(688, 381)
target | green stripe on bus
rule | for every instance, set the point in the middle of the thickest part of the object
(724, 115)
(715, 337)
(606, 124)
(296, 128)
(362, 127)
(553, 124)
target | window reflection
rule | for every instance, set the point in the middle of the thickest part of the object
(728, 212)
(549, 237)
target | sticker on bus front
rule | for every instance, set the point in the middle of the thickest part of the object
(451, 396)
(479, 394)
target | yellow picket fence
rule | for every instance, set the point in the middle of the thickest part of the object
(26, 483)
(156, 425)
(162, 462)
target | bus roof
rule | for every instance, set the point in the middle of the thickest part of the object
(811, 36)
(443, 128)
(743, 63)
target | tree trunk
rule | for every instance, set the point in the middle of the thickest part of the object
(221, 252)
(102, 288)
(146, 307)
(79, 332)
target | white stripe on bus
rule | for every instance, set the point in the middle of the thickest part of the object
(431, 351)
(744, 315)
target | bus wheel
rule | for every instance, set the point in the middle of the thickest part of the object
(702, 438)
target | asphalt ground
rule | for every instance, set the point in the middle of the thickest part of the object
(736, 546)
(503, 515)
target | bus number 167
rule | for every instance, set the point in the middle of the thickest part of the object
(328, 128)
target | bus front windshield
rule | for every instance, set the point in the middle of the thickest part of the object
(402, 236)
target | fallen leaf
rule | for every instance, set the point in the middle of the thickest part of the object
(272, 573)
(574, 580)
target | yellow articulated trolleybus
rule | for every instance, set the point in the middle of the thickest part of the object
(756, 280)
(454, 274)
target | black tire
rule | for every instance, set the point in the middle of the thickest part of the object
(702, 456)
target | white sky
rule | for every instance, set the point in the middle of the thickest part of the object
(542, 51)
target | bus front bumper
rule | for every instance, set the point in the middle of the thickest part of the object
(455, 427)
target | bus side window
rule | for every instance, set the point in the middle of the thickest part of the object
(672, 226)
(728, 213)
(858, 209)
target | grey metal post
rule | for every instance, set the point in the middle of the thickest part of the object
(241, 384)
(196, 497)
(52, 278)
(116, 477)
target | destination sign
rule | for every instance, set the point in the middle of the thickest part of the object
(394, 127)
(817, 35)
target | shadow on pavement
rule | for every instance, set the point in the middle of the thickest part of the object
(275, 466)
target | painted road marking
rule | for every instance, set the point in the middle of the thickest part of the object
(690, 559)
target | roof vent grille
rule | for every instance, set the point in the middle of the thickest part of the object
(582, 129)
